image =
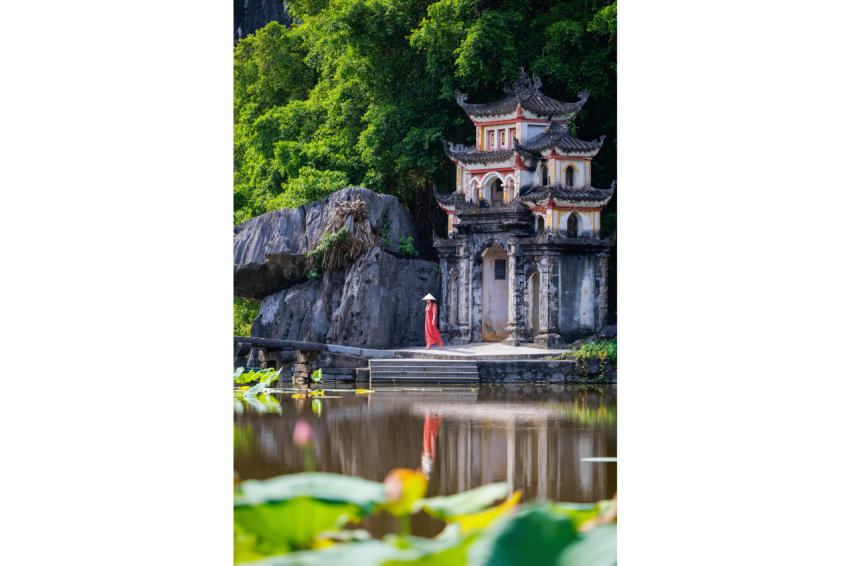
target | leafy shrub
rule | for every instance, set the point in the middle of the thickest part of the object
(384, 233)
(244, 313)
(326, 246)
(405, 246)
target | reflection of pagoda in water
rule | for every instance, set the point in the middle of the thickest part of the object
(523, 259)
(532, 437)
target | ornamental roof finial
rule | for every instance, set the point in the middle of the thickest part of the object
(523, 84)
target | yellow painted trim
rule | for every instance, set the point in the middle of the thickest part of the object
(575, 170)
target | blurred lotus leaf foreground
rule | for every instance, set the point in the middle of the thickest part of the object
(298, 519)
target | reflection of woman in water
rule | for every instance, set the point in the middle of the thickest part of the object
(429, 442)
(432, 335)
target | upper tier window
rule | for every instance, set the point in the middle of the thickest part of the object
(570, 176)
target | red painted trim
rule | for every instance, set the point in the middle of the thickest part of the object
(583, 208)
(514, 121)
(482, 171)
(581, 157)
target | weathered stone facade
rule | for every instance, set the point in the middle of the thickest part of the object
(566, 276)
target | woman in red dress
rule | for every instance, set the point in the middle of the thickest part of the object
(432, 335)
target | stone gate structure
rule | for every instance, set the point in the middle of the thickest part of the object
(523, 260)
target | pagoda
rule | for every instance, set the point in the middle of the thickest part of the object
(523, 261)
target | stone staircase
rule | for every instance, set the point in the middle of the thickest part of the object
(437, 371)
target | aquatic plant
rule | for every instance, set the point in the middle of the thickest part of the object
(298, 519)
(240, 376)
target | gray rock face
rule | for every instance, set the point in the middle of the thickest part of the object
(269, 250)
(251, 15)
(377, 303)
(609, 331)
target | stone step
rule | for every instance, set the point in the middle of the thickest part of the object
(444, 379)
(425, 368)
(469, 374)
(439, 371)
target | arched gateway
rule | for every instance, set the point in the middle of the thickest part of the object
(502, 281)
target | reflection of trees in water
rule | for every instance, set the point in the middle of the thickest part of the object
(244, 441)
(531, 436)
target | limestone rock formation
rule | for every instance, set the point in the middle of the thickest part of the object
(269, 250)
(251, 15)
(376, 303)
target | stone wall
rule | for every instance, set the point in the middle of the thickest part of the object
(533, 371)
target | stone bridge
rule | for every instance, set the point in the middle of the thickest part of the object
(276, 354)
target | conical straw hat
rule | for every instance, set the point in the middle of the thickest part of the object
(428, 297)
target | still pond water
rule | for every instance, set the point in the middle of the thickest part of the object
(532, 436)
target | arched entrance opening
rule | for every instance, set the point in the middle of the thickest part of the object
(541, 225)
(544, 174)
(570, 176)
(497, 191)
(494, 290)
(572, 226)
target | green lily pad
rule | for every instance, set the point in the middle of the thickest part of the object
(535, 535)
(332, 488)
(472, 501)
(595, 548)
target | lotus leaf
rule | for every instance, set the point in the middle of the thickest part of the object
(450, 507)
(284, 526)
(595, 548)
(536, 535)
(579, 513)
(450, 551)
(332, 488)
(484, 518)
(264, 382)
(366, 553)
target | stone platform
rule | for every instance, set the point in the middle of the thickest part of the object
(477, 351)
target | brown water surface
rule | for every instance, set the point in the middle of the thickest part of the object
(531, 436)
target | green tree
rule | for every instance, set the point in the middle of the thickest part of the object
(244, 313)
(362, 91)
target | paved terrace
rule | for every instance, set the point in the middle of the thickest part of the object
(477, 351)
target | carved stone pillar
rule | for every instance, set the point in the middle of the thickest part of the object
(463, 291)
(515, 327)
(543, 307)
(601, 291)
(444, 293)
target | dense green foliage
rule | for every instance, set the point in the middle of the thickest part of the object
(299, 519)
(244, 313)
(362, 92)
